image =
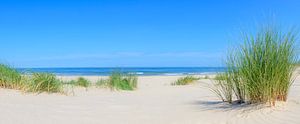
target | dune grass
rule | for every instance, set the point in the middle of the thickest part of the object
(81, 82)
(185, 80)
(260, 70)
(44, 82)
(219, 76)
(10, 78)
(102, 83)
(206, 77)
(119, 81)
(39, 82)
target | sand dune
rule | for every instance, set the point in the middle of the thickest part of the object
(155, 102)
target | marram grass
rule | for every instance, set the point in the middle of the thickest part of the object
(44, 82)
(119, 81)
(81, 82)
(185, 80)
(38, 82)
(260, 70)
(102, 83)
(10, 78)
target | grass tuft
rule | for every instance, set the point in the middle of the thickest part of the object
(260, 70)
(219, 77)
(206, 77)
(102, 83)
(185, 80)
(10, 78)
(81, 82)
(44, 82)
(119, 81)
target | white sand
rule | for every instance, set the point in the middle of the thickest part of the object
(155, 102)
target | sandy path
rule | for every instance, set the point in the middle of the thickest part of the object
(155, 102)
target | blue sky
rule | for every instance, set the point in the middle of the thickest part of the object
(138, 33)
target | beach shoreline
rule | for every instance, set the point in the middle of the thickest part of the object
(139, 71)
(94, 78)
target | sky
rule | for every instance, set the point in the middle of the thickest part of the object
(130, 33)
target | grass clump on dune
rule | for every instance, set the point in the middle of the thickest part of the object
(119, 81)
(260, 71)
(185, 80)
(102, 83)
(206, 77)
(219, 76)
(224, 87)
(10, 78)
(44, 82)
(81, 82)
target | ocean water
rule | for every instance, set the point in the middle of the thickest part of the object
(129, 70)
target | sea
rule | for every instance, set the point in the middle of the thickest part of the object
(142, 71)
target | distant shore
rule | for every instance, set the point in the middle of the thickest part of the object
(140, 71)
(93, 79)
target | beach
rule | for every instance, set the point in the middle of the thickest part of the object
(149, 62)
(154, 102)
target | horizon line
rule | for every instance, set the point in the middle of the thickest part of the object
(130, 67)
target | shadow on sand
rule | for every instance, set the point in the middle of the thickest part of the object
(226, 107)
